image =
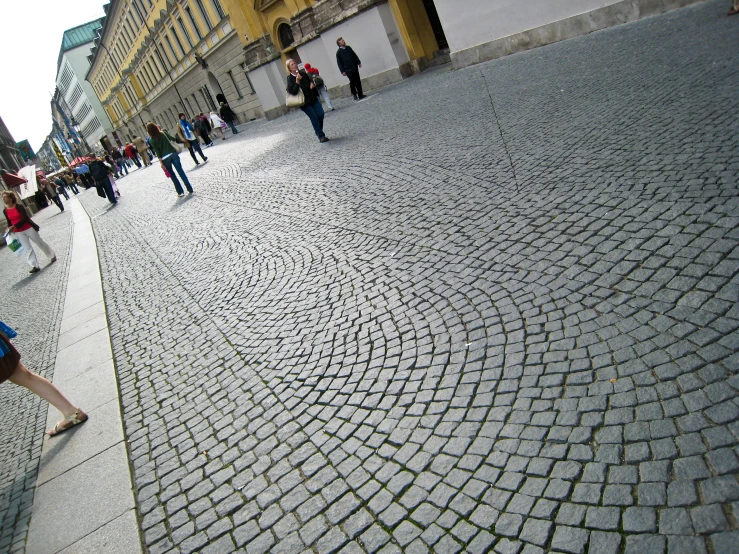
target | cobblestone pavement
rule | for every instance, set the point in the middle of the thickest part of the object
(31, 304)
(498, 310)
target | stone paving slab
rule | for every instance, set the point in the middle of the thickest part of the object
(83, 493)
(498, 311)
(51, 531)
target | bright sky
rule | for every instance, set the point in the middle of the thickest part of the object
(30, 45)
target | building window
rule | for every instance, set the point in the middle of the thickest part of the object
(236, 87)
(208, 97)
(65, 80)
(219, 9)
(195, 26)
(139, 5)
(204, 13)
(165, 61)
(285, 34)
(248, 80)
(177, 40)
(76, 94)
(151, 71)
(184, 31)
(171, 50)
(131, 28)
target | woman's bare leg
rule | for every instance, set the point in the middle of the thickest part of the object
(43, 388)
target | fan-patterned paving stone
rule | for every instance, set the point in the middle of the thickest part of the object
(497, 311)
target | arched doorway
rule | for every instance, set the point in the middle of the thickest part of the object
(216, 90)
(285, 35)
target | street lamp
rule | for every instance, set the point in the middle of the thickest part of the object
(78, 130)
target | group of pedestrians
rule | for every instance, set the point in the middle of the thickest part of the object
(308, 82)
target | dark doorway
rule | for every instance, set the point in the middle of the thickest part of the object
(285, 34)
(435, 24)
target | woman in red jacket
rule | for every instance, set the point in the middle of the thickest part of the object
(25, 230)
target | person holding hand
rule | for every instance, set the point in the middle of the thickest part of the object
(298, 80)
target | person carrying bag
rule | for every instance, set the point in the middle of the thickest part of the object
(169, 157)
(300, 85)
(25, 230)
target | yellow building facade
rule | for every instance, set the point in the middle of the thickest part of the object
(156, 58)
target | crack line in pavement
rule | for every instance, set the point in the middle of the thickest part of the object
(500, 129)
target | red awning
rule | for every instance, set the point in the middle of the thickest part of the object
(12, 180)
(79, 161)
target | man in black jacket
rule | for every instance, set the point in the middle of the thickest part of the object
(228, 116)
(99, 172)
(349, 65)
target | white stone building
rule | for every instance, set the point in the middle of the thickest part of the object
(79, 99)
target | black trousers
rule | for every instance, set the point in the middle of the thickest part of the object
(355, 83)
(108, 189)
(193, 147)
(58, 202)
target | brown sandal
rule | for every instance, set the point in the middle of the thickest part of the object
(68, 422)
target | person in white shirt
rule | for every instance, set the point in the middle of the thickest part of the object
(218, 124)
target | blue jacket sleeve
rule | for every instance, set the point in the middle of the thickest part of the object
(7, 330)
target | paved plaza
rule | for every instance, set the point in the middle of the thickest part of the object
(496, 312)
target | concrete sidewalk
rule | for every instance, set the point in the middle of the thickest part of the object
(84, 500)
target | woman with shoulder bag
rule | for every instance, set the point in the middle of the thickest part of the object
(25, 230)
(169, 157)
(299, 81)
(186, 134)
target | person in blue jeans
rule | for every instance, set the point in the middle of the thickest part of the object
(299, 80)
(168, 156)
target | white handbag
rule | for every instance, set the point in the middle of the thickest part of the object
(295, 100)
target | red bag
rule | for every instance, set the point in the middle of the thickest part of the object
(167, 173)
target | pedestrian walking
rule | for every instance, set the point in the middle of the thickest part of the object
(83, 172)
(100, 172)
(228, 116)
(187, 135)
(71, 179)
(118, 160)
(11, 369)
(349, 65)
(298, 80)
(218, 125)
(49, 189)
(734, 8)
(25, 230)
(132, 154)
(207, 128)
(142, 148)
(199, 128)
(61, 185)
(320, 84)
(169, 157)
(111, 164)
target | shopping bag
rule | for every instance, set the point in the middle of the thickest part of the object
(14, 244)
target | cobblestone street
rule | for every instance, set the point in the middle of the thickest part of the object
(496, 312)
